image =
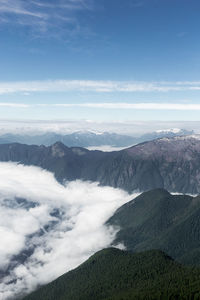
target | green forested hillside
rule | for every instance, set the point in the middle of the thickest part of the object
(159, 220)
(112, 274)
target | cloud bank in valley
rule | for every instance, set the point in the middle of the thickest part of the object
(47, 229)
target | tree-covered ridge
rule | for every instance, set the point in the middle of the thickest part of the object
(112, 274)
(159, 220)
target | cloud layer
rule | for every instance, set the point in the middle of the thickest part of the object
(47, 229)
(111, 105)
(100, 86)
(136, 106)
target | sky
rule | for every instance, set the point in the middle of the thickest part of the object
(100, 60)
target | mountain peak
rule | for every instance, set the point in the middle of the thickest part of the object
(58, 149)
(172, 130)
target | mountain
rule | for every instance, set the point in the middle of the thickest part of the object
(90, 139)
(158, 220)
(112, 274)
(169, 163)
(76, 139)
(66, 163)
(168, 133)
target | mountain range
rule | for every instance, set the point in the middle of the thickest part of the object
(88, 139)
(169, 163)
(164, 225)
(75, 139)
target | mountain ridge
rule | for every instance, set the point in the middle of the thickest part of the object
(113, 274)
(159, 220)
(88, 139)
(170, 163)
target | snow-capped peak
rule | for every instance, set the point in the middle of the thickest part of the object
(82, 132)
(171, 130)
(183, 137)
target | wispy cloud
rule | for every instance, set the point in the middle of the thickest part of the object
(14, 105)
(42, 15)
(111, 105)
(96, 86)
(137, 3)
(19, 7)
(136, 106)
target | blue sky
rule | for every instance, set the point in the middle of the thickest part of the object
(100, 59)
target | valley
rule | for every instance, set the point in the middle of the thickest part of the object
(154, 220)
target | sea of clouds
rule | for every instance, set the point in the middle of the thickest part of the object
(47, 228)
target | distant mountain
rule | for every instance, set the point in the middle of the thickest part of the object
(169, 163)
(168, 133)
(159, 220)
(89, 139)
(76, 139)
(112, 274)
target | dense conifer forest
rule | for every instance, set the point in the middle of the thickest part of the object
(113, 274)
(159, 220)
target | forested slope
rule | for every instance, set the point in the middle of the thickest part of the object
(112, 274)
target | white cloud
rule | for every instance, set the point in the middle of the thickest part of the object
(95, 86)
(112, 105)
(107, 148)
(136, 106)
(61, 225)
(14, 105)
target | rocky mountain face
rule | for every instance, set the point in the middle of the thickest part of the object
(170, 163)
(66, 163)
(159, 220)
